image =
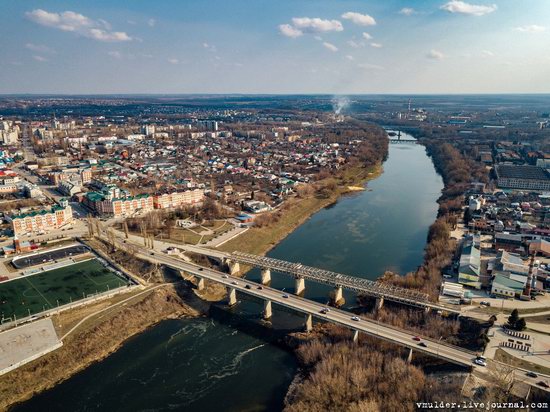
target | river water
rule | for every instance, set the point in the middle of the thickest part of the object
(229, 362)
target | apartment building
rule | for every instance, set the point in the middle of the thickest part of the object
(42, 220)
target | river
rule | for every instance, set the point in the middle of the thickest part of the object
(228, 363)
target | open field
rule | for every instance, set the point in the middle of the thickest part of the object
(201, 234)
(36, 293)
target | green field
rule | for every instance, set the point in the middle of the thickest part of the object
(36, 293)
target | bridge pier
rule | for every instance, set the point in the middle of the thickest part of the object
(410, 356)
(308, 326)
(232, 296)
(379, 303)
(234, 267)
(355, 336)
(266, 276)
(268, 313)
(200, 283)
(300, 286)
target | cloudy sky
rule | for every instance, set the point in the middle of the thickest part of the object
(275, 46)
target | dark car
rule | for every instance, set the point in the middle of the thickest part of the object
(259, 287)
(543, 384)
(200, 269)
(247, 287)
(423, 345)
(532, 374)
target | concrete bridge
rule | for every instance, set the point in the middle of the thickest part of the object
(301, 273)
(311, 310)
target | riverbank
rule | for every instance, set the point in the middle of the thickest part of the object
(94, 340)
(296, 211)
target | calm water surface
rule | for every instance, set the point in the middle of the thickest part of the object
(227, 365)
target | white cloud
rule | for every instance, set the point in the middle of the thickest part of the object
(173, 61)
(349, 57)
(330, 46)
(487, 53)
(289, 31)
(369, 66)
(40, 58)
(533, 28)
(376, 45)
(359, 19)
(151, 22)
(318, 38)
(407, 11)
(315, 25)
(77, 23)
(108, 36)
(457, 6)
(115, 54)
(367, 36)
(354, 44)
(435, 55)
(40, 48)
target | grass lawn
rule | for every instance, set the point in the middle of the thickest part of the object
(504, 357)
(36, 293)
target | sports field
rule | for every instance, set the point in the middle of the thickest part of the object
(36, 293)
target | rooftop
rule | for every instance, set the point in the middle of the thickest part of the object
(522, 172)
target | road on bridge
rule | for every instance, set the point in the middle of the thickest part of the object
(449, 353)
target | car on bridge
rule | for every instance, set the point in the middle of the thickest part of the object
(422, 344)
(416, 338)
(355, 318)
(532, 374)
(324, 311)
(481, 361)
(285, 296)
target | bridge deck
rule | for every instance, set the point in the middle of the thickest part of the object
(401, 337)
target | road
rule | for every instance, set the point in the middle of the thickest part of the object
(449, 353)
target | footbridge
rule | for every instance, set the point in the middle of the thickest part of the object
(378, 290)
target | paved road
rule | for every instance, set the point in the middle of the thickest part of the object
(449, 353)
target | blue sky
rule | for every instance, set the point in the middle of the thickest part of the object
(275, 46)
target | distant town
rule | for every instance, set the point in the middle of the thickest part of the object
(103, 198)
